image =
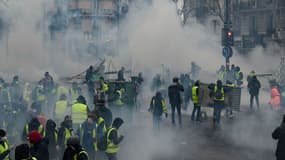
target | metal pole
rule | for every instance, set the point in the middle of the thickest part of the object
(227, 26)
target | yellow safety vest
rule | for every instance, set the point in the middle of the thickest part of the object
(40, 129)
(81, 152)
(195, 97)
(67, 135)
(93, 136)
(119, 101)
(40, 96)
(78, 113)
(100, 121)
(55, 136)
(111, 147)
(223, 94)
(60, 108)
(27, 94)
(4, 148)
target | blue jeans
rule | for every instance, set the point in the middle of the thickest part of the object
(218, 106)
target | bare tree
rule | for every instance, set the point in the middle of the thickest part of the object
(215, 8)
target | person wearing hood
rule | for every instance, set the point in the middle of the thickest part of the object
(275, 98)
(87, 132)
(253, 88)
(218, 96)
(157, 107)
(33, 125)
(51, 135)
(114, 139)
(74, 150)
(65, 131)
(196, 102)
(5, 149)
(279, 134)
(38, 146)
(104, 112)
(79, 111)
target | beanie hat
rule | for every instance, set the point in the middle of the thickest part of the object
(74, 140)
(22, 152)
(34, 137)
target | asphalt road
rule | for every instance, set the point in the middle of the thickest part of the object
(247, 136)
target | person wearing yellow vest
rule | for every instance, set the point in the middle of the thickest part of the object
(219, 98)
(119, 97)
(103, 88)
(79, 111)
(87, 134)
(22, 152)
(229, 108)
(27, 93)
(60, 90)
(60, 107)
(114, 139)
(51, 135)
(65, 131)
(4, 146)
(157, 107)
(196, 102)
(33, 125)
(74, 150)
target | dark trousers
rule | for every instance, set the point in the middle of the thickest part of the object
(218, 106)
(112, 156)
(156, 123)
(256, 100)
(178, 108)
(197, 110)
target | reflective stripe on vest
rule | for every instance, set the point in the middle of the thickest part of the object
(223, 94)
(4, 148)
(78, 113)
(67, 135)
(55, 136)
(82, 133)
(81, 152)
(60, 108)
(40, 130)
(111, 147)
(195, 97)
(100, 121)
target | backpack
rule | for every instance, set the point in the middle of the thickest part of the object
(102, 142)
(218, 93)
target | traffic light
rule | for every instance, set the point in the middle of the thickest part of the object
(227, 37)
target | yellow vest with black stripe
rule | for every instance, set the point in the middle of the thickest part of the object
(78, 113)
(81, 152)
(93, 135)
(223, 94)
(60, 108)
(195, 97)
(111, 147)
(4, 148)
(99, 122)
(40, 129)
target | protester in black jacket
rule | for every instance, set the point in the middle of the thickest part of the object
(104, 112)
(253, 88)
(51, 135)
(175, 99)
(279, 134)
(74, 150)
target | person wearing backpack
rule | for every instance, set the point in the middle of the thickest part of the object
(157, 107)
(114, 139)
(219, 98)
(253, 88)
